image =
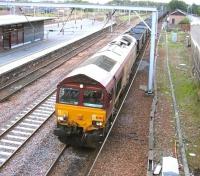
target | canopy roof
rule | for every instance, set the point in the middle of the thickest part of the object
(18, 19)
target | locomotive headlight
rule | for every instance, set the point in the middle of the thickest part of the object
(97, 123)
(81, 86)
(62, 118)
(97, 120)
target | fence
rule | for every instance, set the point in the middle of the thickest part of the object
(195, 44)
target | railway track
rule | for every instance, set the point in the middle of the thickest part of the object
(90, 160)
(51, 168)
(20, 130)
(13, 87)
(122, 101)
(56, 161)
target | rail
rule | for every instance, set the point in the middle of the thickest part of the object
(117, 114)
(53, 165)
(13, 138)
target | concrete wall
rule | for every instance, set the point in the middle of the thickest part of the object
(195, 33)
(195, 37)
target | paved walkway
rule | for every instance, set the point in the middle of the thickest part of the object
(52, 37)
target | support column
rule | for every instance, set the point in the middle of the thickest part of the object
(111, 27)
(34, 11)
(129, 17)
(111, 19)
(156, 24)
(152, 54)
(81, 19)
(75, 15)
(14, 10)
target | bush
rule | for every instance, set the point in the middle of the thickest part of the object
(185, 21)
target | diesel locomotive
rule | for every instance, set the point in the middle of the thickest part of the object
(87, 97)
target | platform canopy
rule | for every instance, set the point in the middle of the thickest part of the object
(19, 19)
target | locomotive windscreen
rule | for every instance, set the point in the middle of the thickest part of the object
(93, 98)
(90, 97)
(69, 96)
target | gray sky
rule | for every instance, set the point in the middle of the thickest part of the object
(187, 1)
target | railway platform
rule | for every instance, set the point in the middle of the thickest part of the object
(56, 36)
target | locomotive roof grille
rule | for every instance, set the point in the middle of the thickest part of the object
(103, 62)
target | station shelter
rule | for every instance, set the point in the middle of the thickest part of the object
(17, 30)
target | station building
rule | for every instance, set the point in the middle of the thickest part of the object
(17, 30)
(176, 17)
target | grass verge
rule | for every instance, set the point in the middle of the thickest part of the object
(186, 90)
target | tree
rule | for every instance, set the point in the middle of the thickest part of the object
(140, 3)
(176, 4)
(194, 9)
(185, 21)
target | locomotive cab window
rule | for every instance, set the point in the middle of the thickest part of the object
(69, 96)
(93, 98)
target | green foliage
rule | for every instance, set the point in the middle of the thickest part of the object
(194, 9)
(176, 4)
(185, 21)
(159, 5)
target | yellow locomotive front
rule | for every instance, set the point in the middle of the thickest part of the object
(80, 112)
